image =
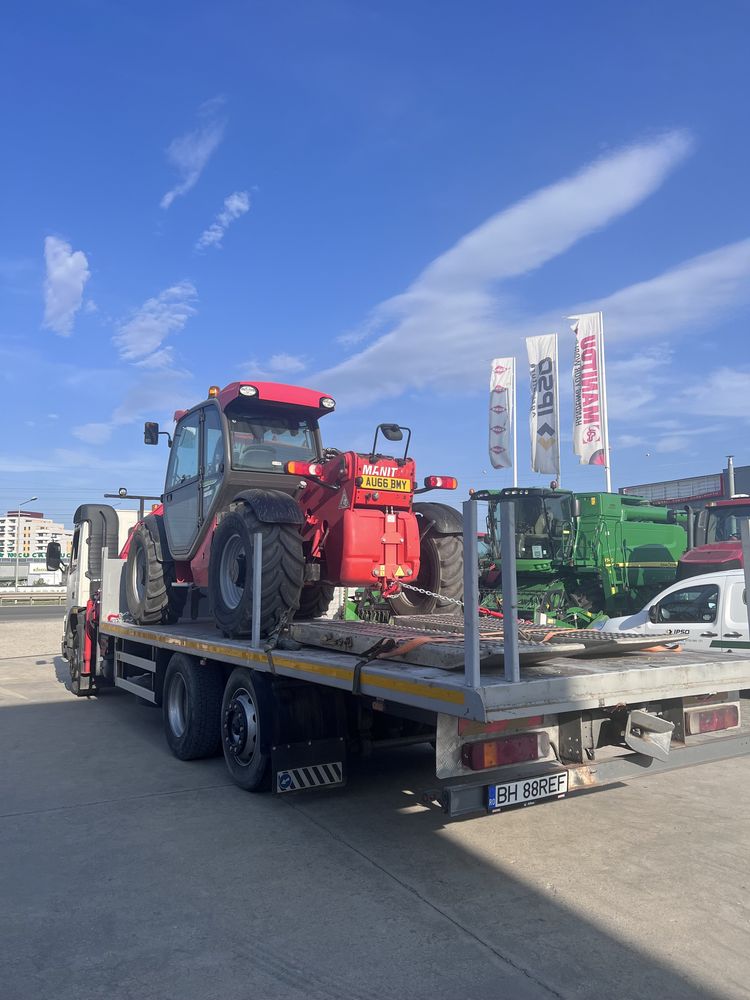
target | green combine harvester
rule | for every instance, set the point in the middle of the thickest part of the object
(582, 555)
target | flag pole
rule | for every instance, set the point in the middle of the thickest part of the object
(557, 416)
(515, 429)
(604, 407)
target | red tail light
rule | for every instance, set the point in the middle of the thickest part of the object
(440, 483)
(304, 468)
(712, 720)
(508, 750)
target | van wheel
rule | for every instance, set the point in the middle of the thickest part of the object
(191, 707)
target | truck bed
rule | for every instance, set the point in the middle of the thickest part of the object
(556, 683)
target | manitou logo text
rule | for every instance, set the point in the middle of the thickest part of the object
(379, 470)
(587, 381)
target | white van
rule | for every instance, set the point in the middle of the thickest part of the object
(703, 612)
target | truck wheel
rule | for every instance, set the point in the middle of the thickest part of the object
(148, 581)
(315, 600)
(441, 571)
(191, 705)
(75, 662)
(243, 724)
(230, 573)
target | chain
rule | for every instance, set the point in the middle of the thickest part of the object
(429, 593)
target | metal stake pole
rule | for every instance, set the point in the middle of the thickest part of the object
(509, 589)
(471, 596)
(257, 575)
(745, 536)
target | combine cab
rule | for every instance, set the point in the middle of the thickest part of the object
(249, 461)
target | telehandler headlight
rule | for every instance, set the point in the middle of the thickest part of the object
(327, 403)
(248, 390)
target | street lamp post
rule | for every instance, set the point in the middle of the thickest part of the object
(18, 531)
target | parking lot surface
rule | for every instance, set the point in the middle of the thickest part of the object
(128, 874)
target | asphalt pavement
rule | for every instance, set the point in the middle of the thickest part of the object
(31, 612)
(128, 874)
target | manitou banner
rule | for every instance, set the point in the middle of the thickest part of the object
(589, 423)
(544, 415)
(502, 393)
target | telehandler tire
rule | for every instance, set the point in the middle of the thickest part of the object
(314, 600)
(441, 571)
(148, 580)
(230, 572)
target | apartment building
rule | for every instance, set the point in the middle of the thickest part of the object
(29, 534)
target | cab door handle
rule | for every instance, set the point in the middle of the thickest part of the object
(709, 635)
(732, 635)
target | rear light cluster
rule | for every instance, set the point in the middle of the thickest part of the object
(712, 720)
(305, 468)
(516, 749)
(440, 483)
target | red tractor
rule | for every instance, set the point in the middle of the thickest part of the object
(249, 459)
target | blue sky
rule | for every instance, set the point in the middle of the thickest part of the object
(373, 199)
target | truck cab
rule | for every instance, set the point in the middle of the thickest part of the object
(705, 612)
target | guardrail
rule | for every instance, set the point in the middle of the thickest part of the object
(31, 598)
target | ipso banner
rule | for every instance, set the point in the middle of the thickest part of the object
(588, 438)
(501, 412)
(544, 413)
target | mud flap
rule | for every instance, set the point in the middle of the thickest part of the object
(310, 766)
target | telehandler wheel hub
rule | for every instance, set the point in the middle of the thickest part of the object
(232, 571)
(240, 727)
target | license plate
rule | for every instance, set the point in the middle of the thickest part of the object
(521, 793)
(386, 483)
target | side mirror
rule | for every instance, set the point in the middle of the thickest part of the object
(391, 432)
(150, 432)
(53, 556)
(653, 614)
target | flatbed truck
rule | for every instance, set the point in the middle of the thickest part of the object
(515, 719)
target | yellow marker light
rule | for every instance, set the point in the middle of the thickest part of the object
(213, 390)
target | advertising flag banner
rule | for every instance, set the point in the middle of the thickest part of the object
(588, 423)
(501, 412)
(544, 420)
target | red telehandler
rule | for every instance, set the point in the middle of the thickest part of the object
(250, 459)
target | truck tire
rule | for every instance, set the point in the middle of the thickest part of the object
(245, 719)
(75, 662)
(315, 600)
(191, 707)
(441, 571)
(150, 596)
(230, 573)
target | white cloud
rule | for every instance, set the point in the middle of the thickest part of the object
(156, 319)
(189, 153)
(722, 393)
(684, 297)
(235, 205)
(277, 364)
(67, 273)
(454, 301)
(94, 433)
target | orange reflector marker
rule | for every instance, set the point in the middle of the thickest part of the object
(508, 750)
(712, 720)
(440, 483)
